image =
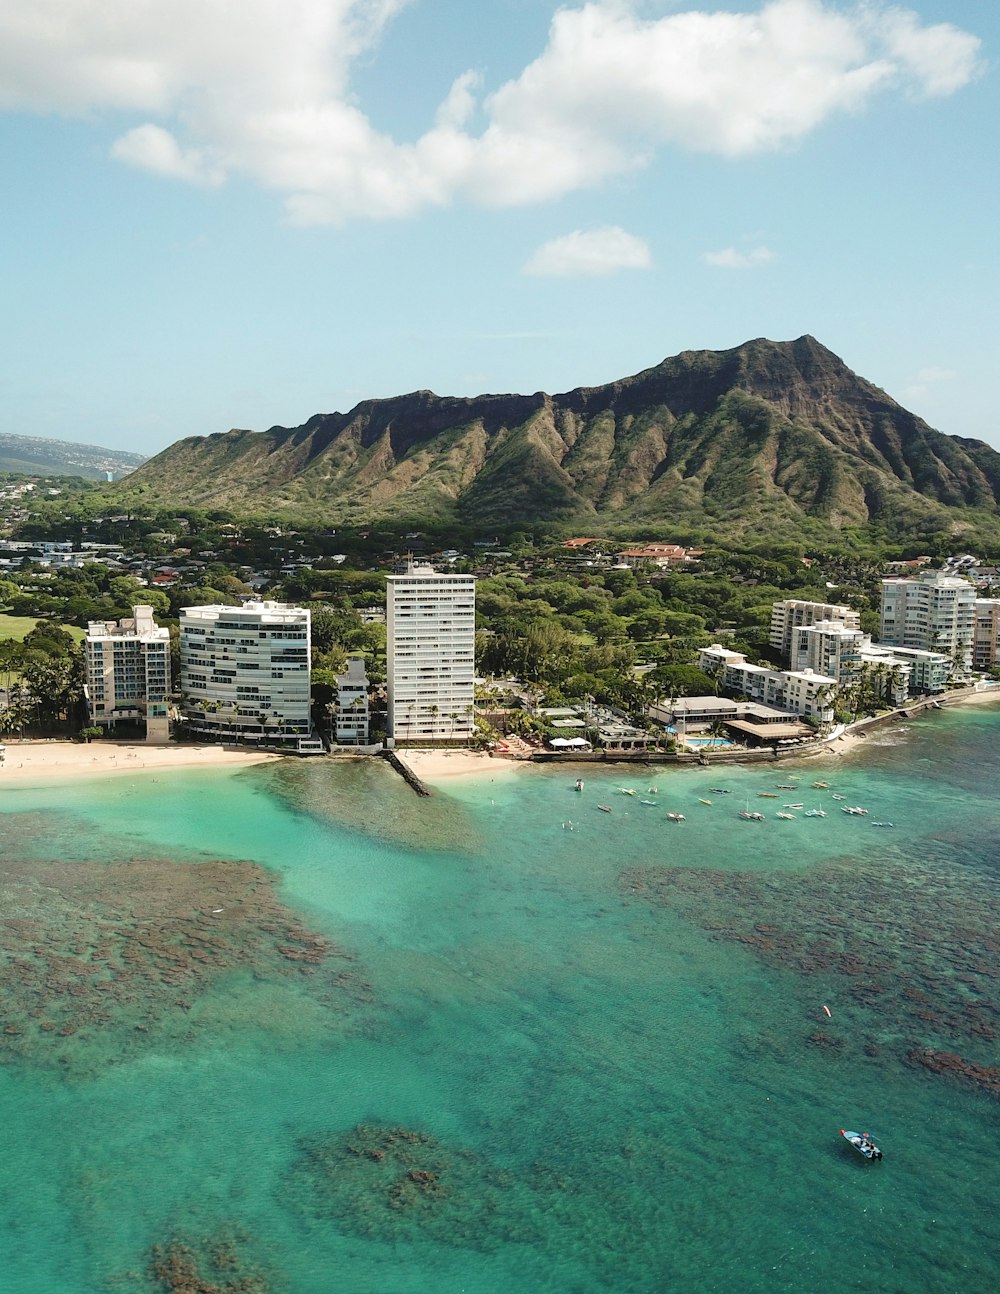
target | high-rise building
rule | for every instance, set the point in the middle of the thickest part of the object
(793, 613)
(245, 673)
(986, 634)
(351, 720)
(127, 672)
(934, 612)
(431, 641)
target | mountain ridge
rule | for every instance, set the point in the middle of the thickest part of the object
(767, 433)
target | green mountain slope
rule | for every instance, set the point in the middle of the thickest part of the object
(769, 434)
(37, 456)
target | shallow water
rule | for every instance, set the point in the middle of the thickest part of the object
(526, 1056)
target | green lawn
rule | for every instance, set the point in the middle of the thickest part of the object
(20, 626)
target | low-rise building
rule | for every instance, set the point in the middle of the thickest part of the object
(801, 692)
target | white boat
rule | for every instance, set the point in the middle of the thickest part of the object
(883, 824)
(789, 817)
(793, 806)
(675, 817)
(862, 1143)
(579, 784)
(855, 810)
(814, 813)
(751, 815)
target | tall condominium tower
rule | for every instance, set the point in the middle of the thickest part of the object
(934, 612)
(245, 672)
(431, 639)
(793, 613)
(127, 670)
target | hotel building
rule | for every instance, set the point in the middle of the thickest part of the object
(245, 673)
(986, 635)
(127, 672)
(431, 640)
(802, 692)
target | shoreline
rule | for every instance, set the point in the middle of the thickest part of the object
(443, 766)
(31, 762)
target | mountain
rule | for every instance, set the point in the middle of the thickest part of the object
(36, 456)
(769, 437)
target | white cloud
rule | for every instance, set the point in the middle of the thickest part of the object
(925, 379)
(155, 149)
(731, 258)
(590, 253)
(262, 89)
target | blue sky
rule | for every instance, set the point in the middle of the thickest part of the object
(237, 213)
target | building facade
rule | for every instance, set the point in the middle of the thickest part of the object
(934, 612)
(850, 656)
(430, 645)
(127, 672)
(986, 634)
(802, 692)
(351, 720)
(245, 673)
(793, 613)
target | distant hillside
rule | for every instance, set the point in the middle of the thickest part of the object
(770, 437)
(36, 456)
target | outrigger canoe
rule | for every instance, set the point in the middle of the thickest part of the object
(863, 1144)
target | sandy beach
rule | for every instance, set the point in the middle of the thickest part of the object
(35, 761)
(447, 765)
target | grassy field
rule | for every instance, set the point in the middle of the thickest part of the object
(20, 626)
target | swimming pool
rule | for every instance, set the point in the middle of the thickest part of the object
(714, 743)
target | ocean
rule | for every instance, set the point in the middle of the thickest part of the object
(293, 1029)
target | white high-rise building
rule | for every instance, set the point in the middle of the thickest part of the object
(127, 671)
(934, 612)
(792, 613)
(431, 643)
(245, 672)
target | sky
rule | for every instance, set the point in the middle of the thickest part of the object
(242, 213)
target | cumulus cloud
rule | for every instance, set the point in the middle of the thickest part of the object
(155, 149)
(731, 258)
(262, 89)
(590, 253)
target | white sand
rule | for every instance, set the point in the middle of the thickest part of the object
(35, 761)
(445, 765)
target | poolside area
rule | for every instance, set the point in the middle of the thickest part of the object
(709, 743)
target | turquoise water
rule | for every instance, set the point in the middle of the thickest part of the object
(295, 1029)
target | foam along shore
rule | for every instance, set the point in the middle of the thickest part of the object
(446, 765)
(34, 761)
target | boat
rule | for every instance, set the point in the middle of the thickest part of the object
(838, 797)
(793, 806)
(720, 790)
(767, 795)
(788, 786)
(701, 801)
(862, 1143)
(652, 790)
(789, 817)
(626, 790)
(605, 808)
(579, 784)
(751, 815)
(647, 802)
(821, 786)
(883, 824)
(855, 810)
(814, 813)
(675, 817)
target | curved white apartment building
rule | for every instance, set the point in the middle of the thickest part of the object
(245, 671)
